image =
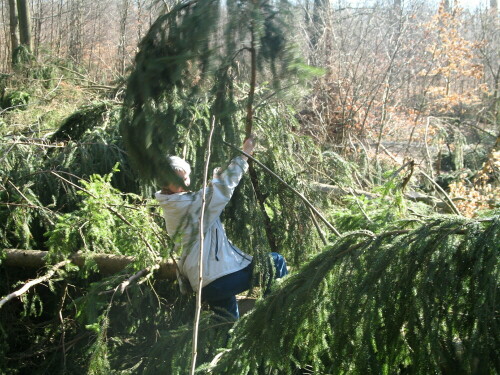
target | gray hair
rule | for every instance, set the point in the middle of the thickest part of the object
(179, 165)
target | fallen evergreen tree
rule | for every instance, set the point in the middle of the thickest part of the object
(414, 300)
(405, 301)
(417, 300)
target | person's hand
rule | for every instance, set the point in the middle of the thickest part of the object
(249, 144)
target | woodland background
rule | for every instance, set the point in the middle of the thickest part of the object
(386, 116)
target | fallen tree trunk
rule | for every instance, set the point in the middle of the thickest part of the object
(106, 263)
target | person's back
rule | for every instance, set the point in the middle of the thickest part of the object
(181, 211)
(227, 270)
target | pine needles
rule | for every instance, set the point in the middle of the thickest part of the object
(410, 301)
(184, 64)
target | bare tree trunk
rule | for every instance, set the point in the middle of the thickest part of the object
(23, 11)
(140, 14)
(75, 31)
(495, 105)
(38, 27)
(51, 38)
(122, 51)
(95, 10)
(5, 51)
(59, 26)
(14, 27)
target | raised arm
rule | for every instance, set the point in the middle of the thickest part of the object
(223, 184)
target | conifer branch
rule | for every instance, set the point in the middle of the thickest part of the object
(447, 199)
(200, 256)
(126, 283)
(34, 282)
(113, 211)
(300, 195)
(360, 207)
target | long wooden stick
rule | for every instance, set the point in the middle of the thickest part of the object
(300, 195)
(200, 256)
(318, 228)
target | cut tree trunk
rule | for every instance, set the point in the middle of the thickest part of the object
(106, 263)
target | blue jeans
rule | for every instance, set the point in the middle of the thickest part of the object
(221, 293)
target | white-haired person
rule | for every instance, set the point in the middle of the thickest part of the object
(227, 271)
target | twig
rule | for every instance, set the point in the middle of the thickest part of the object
(46, 96)
(388, 153)
(316, 224)
(125, 284)
(82, 77)
(33, 144)
(409, 162)
(136, 276)
(304, 199)
(427, 153)
(14, 106)
(34, 282)
(63, 329)
(360, 207)
(448, 200)
(7, 152)
(31, 203)
(196, 323)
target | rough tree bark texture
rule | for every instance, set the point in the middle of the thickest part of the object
(14, 27)
(106, 263)
(23, 11)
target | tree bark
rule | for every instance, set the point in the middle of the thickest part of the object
(107, 264)
(39, 16)
(75, 48)
(122, 44)
(14, 27)
(23, 11)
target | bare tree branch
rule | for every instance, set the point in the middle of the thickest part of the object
(34, 282)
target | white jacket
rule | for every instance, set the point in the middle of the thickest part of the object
(182, 218)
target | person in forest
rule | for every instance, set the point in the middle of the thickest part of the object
(227, 271)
